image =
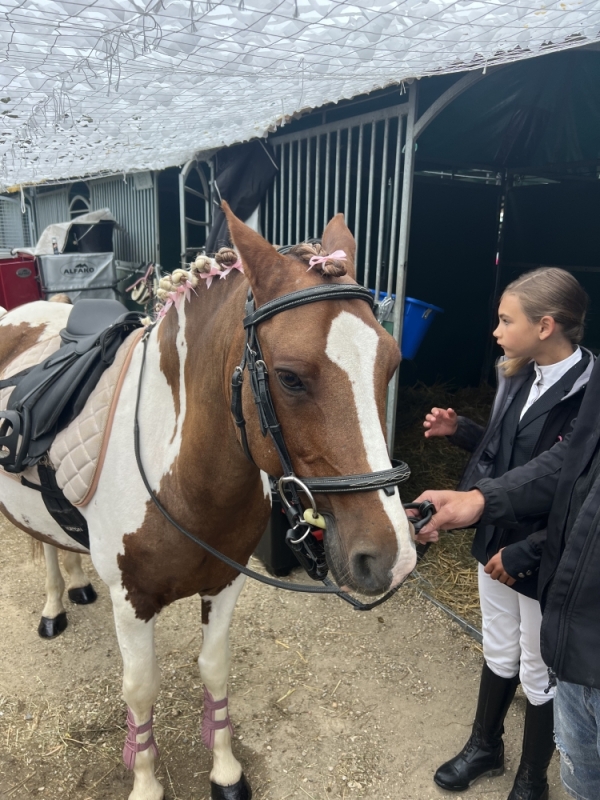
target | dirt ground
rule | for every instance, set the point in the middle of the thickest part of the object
(327, 703)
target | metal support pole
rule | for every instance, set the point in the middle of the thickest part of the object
(403, 241)
(182, 225)
(156, 258)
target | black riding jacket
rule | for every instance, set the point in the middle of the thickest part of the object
(564, 483)
(508, 441)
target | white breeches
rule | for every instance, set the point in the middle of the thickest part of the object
(511, 637)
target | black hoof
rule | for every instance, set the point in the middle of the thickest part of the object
(83, 596)
(50, 628)
(237, 791)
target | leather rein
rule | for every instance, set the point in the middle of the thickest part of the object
(305, 534)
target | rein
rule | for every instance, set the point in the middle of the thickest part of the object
(305, 534)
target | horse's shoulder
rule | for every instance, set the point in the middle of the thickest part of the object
(33, 325)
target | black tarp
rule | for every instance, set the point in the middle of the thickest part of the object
(542, 111)
(243, 174)
(451, 263)
(556, 224)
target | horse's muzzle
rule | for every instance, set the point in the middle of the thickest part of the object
(363, 569)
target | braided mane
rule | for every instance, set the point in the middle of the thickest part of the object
(332, 268)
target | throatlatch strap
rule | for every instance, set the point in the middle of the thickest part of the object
(132, 746)
(209, 723)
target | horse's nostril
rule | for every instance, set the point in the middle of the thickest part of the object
(369, 571)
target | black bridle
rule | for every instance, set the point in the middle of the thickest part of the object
(303, 536)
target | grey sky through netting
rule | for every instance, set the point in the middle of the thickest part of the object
(117, 85)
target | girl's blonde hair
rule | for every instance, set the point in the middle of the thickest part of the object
(549, 292)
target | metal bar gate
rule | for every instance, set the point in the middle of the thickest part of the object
(362, 167)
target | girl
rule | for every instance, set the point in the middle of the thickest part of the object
(541, 381)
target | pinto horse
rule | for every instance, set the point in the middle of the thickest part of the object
(329, 364)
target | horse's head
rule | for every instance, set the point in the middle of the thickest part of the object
(329, 365)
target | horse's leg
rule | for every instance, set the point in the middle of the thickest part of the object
(141, 681)
(54, 616)
(227, 779)
(79, 588)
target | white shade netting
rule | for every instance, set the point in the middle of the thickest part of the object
(115, 85)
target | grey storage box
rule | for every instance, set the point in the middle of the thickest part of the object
(89, 275)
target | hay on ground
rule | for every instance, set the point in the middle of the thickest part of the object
(447, 571)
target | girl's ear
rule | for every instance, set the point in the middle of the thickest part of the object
(337, 236)
(262, 263)
(547, 327)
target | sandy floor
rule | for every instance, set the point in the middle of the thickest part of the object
(327, 703)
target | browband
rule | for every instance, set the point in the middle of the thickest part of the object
(314, 294)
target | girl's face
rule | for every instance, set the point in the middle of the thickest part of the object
(516, 335)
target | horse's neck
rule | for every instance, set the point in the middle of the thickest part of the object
(190, 356)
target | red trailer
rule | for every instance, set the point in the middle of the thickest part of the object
(18, 281)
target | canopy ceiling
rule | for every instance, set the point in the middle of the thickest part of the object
(107, 86)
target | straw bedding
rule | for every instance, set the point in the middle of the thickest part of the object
(447, 571)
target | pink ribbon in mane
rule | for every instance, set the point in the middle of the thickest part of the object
(222, 273)
(337, 255)
(184, 290)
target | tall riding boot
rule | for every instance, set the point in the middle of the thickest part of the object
(531, 782)
(483, 754)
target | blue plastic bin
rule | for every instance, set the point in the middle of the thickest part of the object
(417, 319)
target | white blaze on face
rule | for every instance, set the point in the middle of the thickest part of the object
(352, 345)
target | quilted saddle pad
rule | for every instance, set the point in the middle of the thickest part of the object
(78, 450)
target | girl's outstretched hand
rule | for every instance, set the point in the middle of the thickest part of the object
(440, 422)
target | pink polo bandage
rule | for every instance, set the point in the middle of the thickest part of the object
(209, 723)
(132, 746)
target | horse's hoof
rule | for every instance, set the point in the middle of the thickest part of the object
(83, 596)
(237, 791)
(49, 628)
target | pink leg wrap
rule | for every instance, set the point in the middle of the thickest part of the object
(132, 747)
(209, 723)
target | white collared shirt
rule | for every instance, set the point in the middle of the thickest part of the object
(547, 376)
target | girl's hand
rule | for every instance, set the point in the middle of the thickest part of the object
(495, 569)
(440, 422)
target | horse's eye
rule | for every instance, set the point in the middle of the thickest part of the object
(290, 381)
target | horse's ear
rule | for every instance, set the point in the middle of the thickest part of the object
(262, 263)
(337, 236)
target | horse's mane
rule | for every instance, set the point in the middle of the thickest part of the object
(170, 282)
(332, 268)
(226, 257)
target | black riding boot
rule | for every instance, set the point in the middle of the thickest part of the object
(483, 754)
(531, 782)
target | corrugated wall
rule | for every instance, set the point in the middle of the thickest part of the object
(50, 208)
(134, 210)
(15, 229)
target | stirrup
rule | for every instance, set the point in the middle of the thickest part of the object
(13, 426)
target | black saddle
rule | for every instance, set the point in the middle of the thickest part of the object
(48, 396)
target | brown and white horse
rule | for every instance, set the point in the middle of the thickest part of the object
(329, 365)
